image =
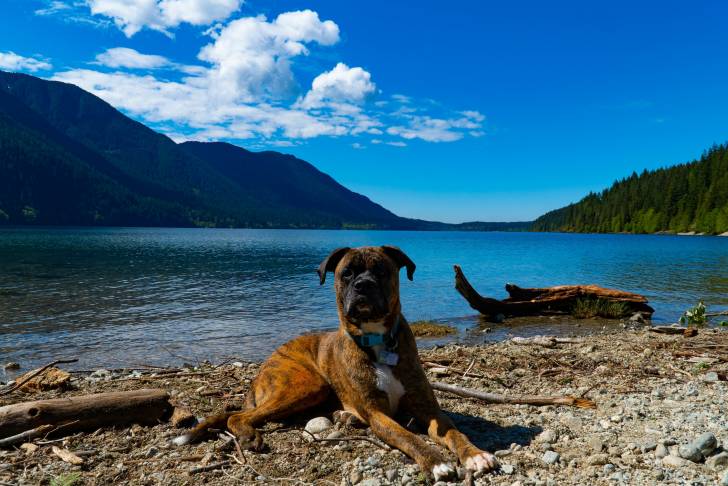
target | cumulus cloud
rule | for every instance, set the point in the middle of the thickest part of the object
(252, 56)
(131, 16)
(123, 57)
(244, 86)
(11, 61)
(340, 85)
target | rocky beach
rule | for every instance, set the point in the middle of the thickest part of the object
(660, 419)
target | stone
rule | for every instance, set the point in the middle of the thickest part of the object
(551, 457)
(29, 448)
(648, 446)
(355, 476)
(151, 452)
(318, 425)
(711, 376)
(706, 443)
(391, 475)
(674, 461)
(372, 482)
(661, 451)
(597, 459)
(12, 365)
(335, 434)
(690, 452)
(238, 364)
(548, 436)
(596, 444)
(373, 461)
(609, 468)
(503, 453)
(718, 462)
(724, 481)
(507, 469)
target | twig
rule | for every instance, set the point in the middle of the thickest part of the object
(209, 467)
(25, 436)
(472, 363)
(679, 370)
(348, 438)
(36, 373)
(522, 400)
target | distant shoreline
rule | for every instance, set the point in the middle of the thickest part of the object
(414, 230)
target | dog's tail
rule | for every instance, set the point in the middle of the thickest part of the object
(199, 431)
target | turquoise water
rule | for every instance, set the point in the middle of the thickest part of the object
(122, 296)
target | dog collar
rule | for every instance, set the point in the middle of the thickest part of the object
(370, 340)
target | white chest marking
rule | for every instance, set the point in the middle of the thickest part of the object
(389, 384)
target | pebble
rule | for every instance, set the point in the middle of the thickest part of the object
(674, 461)
(711, 376)
(391, 475)
(548, 436)
(336, 434)
(648, 446)
(318, 425)
(355, 476)
(724, 481)
(609, 468)
(371, 482)
(706, 443)
(718, 462)
(661, 451)
(551, 457)
(151, 452)
(596, 444)
(507, 469)
(238, 364)
(12, 365)
(597, 459)
(690, 452)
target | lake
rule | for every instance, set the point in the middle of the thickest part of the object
(123, 296)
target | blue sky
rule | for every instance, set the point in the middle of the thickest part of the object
(456, 111)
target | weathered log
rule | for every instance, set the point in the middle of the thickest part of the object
(537, 401)
(559, 299)
(87, 412)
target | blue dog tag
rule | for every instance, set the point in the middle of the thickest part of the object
(387, 358)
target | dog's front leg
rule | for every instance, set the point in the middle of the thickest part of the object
(441, 429)
(429, 459)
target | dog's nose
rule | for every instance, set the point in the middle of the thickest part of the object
(364, 284)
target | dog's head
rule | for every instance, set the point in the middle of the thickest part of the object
(367, 284)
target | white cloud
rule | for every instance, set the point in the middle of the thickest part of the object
(244, 87)
(133, 15)
(340, 85)
(53, 7)
(251, 56)
(11, 61)
(123, 57)
(358, 146)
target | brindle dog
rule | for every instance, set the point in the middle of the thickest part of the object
(370, 364)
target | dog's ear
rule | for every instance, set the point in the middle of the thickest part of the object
(400, 259)
(330, 262)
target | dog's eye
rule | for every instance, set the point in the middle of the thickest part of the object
(347, 273)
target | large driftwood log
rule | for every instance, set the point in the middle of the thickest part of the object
(527, 302)
(87, 412)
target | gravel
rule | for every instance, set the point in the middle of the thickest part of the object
(647, 413)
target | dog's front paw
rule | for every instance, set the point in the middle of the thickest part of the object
(481, 462)
(444, 471)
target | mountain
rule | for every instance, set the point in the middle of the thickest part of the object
(69, 158)
(682, 198)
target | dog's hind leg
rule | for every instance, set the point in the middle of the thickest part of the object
(284, 387)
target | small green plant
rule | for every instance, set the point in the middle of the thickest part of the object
(695, 317)
(69, 479)
(588, 307)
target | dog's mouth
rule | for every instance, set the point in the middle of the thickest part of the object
(361, 309)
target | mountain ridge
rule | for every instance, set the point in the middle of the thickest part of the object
(82, 162)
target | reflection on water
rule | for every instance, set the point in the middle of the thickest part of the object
(117, 296)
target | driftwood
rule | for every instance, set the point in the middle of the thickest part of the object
(29, 376)
(87, 412)
(685, 331)
(537, 401)
(528, 302)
